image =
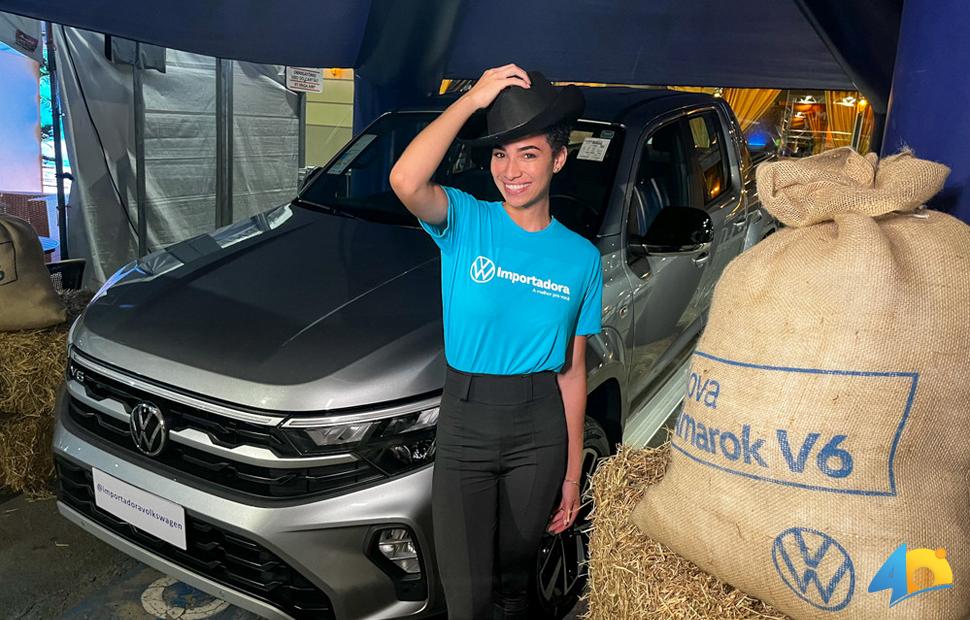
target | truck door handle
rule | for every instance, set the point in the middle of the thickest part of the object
(702, 259)
(738, 225)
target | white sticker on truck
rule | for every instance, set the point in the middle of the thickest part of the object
(157, 516)
(593, 149)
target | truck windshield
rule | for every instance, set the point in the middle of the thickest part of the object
(356, 182)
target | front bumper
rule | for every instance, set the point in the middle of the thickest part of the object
(326, 541)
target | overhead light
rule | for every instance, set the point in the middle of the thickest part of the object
(807, 99)
(848, 101)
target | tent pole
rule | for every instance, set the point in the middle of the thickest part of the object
(141, 197)
(58, 158)
(223, 142)
(301, 161)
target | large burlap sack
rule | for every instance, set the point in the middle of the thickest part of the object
(826, 415)
(27, 296)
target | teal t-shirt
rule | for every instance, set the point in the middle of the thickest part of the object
(512, 299)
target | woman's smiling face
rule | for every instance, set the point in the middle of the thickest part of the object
(522, 170)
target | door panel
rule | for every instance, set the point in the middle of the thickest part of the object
(719, 187)
(663, 288)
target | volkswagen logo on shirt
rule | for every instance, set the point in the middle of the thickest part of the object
(148, 428)
(483, 269)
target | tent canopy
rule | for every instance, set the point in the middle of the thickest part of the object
(753, 43)
(823, 44)
(283, 32)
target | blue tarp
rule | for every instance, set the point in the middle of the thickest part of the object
(753, 43)
(684, 42)
(402, 48)
(284, 32)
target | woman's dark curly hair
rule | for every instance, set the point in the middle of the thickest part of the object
(558, 135)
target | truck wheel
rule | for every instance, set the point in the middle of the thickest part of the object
(561, 564)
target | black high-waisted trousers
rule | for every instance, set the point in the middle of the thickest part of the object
(499, 466)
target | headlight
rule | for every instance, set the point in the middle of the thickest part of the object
(392, 443)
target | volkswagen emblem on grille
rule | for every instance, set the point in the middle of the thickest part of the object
(148, 428)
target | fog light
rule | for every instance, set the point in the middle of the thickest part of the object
(397, 545)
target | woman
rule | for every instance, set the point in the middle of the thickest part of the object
(520, 293)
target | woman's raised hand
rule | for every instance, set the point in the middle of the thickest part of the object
(494, 81)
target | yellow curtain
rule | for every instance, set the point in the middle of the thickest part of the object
(695, 89)
(841, 118)
(815, 124)
(750, 104)
(867, 126)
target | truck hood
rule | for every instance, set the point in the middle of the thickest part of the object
(293, 310)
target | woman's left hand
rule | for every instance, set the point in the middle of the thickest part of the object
(565, 515)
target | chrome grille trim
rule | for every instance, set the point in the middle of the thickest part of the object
(189, 401)
(370, 416)
(253, 455)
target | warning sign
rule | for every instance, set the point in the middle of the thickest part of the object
(304, 80)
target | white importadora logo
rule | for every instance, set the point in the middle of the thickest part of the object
(483, 269)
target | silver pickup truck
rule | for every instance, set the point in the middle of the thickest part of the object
(253, 411)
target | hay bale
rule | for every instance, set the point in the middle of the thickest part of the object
(632, 577)
(32, 365)
(32, 362)
(26, 462)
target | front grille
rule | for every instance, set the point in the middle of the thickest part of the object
(213, 552)
(216, 472)
(223, 431)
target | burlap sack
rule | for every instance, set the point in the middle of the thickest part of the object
(826, 417)
(27, 296)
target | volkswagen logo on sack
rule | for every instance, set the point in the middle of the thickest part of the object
(815, 567)
(483, 269)
(148, 428)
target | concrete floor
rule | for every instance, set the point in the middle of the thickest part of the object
(50, 568)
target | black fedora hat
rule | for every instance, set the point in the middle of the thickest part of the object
(519, 112)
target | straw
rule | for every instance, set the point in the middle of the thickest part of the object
(32, 366)
(632, 577)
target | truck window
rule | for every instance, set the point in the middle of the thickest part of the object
(356, 181)
(708, 155)
(662, 177)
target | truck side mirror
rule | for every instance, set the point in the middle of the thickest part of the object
(676, 231)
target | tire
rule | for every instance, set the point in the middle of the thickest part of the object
(560, 574)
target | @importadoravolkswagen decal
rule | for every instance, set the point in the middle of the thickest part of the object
(815, 567)
(907, 573)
